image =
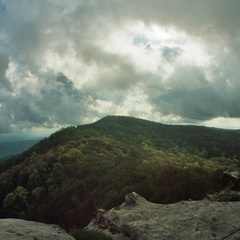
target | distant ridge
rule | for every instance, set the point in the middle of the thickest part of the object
(203, 141)
(13, 146)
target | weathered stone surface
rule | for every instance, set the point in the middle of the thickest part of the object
(17, 229)
(138, 219)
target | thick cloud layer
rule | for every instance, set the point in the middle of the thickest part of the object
(72, 62)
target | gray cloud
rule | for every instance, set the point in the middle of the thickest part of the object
(55, 106)
(190, 95)
(170, 54)
(53, 69)
(187, 93)
(4, 82)
(65, 103)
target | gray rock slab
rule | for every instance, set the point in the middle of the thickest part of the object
(138, 219)
(17, 229)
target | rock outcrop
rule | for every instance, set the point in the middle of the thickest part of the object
(138, 219)
(17, 229)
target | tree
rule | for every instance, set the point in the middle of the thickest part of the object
(34, 180)
(55, 175)
(16, 203)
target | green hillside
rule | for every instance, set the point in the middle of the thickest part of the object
(65, 178)
(203, 141)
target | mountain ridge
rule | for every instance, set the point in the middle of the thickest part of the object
(177, 133)
(118, 121)
(66, 177)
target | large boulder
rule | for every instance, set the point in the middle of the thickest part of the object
(17, 229)
(138, 219)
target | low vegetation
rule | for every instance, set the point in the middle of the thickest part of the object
(90, 235)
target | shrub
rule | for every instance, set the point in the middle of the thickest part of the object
(89, 235)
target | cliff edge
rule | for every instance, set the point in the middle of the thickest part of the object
(138, 219)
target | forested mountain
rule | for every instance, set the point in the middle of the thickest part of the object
(203, 141)
(66, 177)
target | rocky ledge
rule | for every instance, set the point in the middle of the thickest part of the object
(17, 229)
(138, 219)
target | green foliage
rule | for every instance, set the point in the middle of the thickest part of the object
(16, 202)
(90, 235)
(226, 161)
(201, 141)
(34, 180)
(55, 175)
(113, 199)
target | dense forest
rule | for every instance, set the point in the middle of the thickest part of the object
(65, 178)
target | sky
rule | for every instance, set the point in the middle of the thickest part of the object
(73, 62)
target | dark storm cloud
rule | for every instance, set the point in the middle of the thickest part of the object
(59, 105)
(197, 104)
(63, 103)
(190, 95)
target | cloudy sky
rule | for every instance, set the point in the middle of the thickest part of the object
(72, 62)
